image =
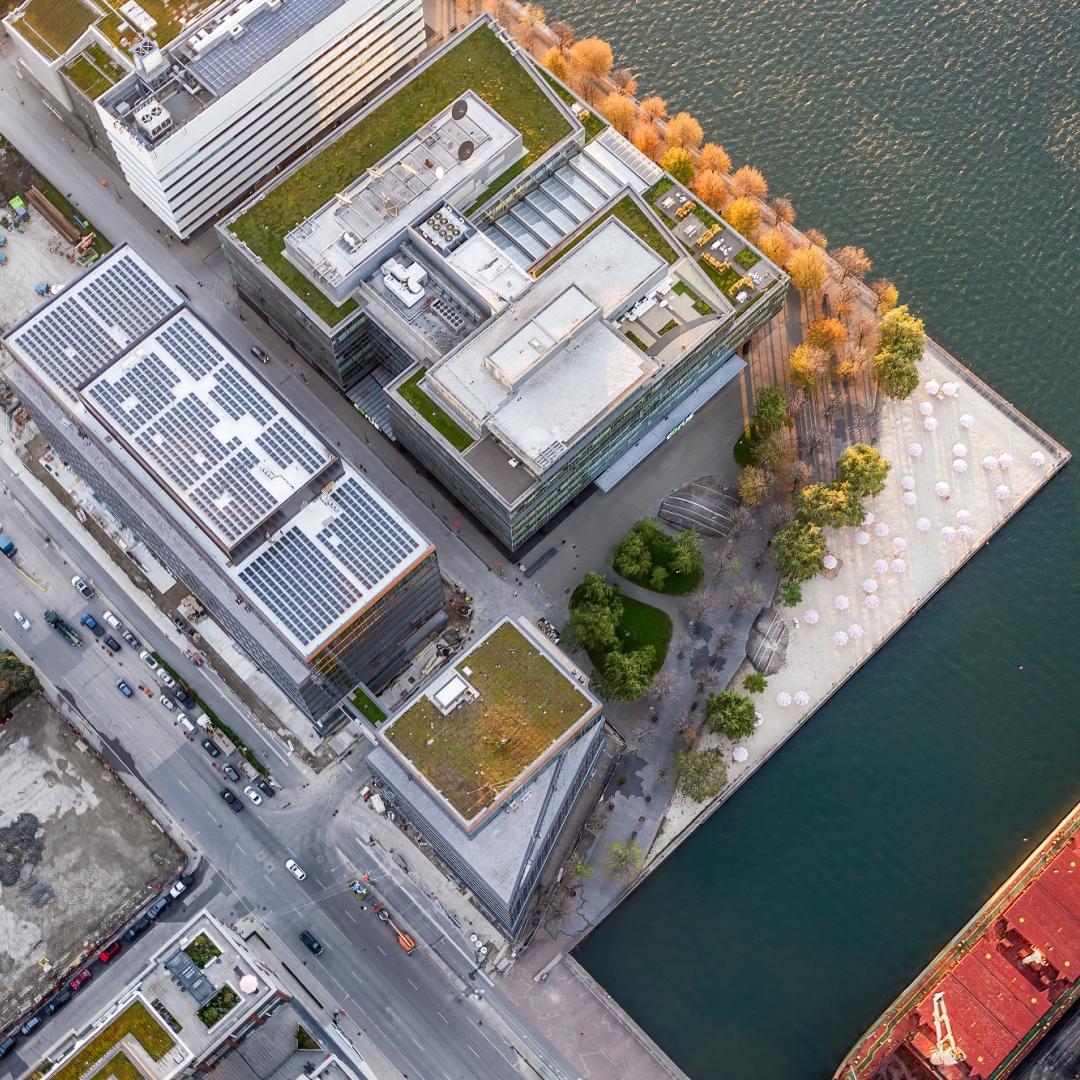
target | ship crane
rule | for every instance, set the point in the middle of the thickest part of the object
(947, 1052)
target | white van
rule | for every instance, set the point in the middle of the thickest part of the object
(186, 724)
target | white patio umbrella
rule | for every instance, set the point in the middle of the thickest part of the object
(898, 566)
(899, 544)
(923, 524)
(942, 489)
(783, 699)
(907, 482)
(810, 615)
(829, 561)
(855, 631)
(802, 698)
(948, 533)
(914, 449)
(862, 537)
(959, 465)
(930, 423)
(881, 566)
(758, 719)
(926, 408)
(966, 532)
(1038, 458)
(959, 450)
(1005, 460)
(949, 389)
(841, 603)
(839, 638)
(963, 517)
(909, 498)
(870, 585)
(967, 421)
(739, 753)
(932, 386)
(1002, 492)
(989, 463)
(872, 602)
(868, 519)
(881, 529)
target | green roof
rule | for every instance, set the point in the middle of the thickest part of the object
(526, 703)
(52, 26)
(136, 1021)
(481, 63)
(93, 71)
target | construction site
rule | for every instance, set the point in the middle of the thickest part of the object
(78, 853)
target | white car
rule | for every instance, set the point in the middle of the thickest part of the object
(22, 620)
(112, 620)
(295, 870)
(81, 585)
(168, 703)
(148, 660)
(165, 678)
(253, 795)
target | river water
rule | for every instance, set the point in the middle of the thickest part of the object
(945, 138)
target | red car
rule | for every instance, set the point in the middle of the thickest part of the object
(109, 952)
(80, 980)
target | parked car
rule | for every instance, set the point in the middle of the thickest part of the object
(123, 687)
(80, 980)
(112, 645)
(130, 638)
(57, 1001)
(22, 620)
(148, 660)
(165, 678)
(28, 1027)
(82, 587)
(231, 773)
(109, 952)
(253, 795)
(186, 700)
(136, 928)
(113, 621)
(211, 747)
(92, 625)
(7, 1045)
(264, 786)
(311, 942)
(234, 803)
(157, 907)
(181, 624)
(168, 703)
(294, 869)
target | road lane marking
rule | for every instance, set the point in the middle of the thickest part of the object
(347, 765)
(441, 1017)
(350, 915)
(240, 849)
(498, 1051)
(381, 949)
(474, 1053)
(417, 1043)
(412, 984)
(183, 785)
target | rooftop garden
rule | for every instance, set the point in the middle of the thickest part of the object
(480, 63)
(93, 71)
(434, 414)
(723, 275)
(634, 218)
(366, 707)
(700, 306)
(747, 258)
(526, 703)
(53, 26)
(593, 122)
(135, 1021)
(219, 1006)
(202, 951)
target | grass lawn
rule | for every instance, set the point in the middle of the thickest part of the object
(93, 71)
(641, 624)
(636, 340)
(54, 24)
(707, 216)
(480, 63)
(593, 123)
(747, 258)
(725, 280)
(659, 190)
(633, 217)
(436, 416)
(700, 306)
(202, 951)
(135, 1021)
(119, 1067)
(743, 449)
(366, 707)
(669, 325)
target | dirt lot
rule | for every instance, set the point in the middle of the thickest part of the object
(82, 851)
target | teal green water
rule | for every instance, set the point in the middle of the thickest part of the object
(945, 138)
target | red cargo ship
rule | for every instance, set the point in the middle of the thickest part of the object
(993, 992)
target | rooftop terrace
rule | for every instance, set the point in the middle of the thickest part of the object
(488, 721)
(479, 62)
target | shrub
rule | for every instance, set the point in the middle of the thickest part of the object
(755, 683)
(798, 550)
(222, 1003)
(753, 485)
(731, 714)
(702, 774)
(202, 951)
(863, 469)
(790, 593)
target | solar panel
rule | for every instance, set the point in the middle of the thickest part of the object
(191, 350)
(237, 396)
(300, 585)
(232, 496)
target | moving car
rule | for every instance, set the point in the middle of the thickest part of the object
(123, 687)
(113, 621)
(148, 660)
(231, 773)
(22, 620)
(311, 942)
(92, 625)
(253, 795)
(109, 952)
(211, 747)
(168, 703)
(82, 587)
(231, 799)
(294, 869)
(80, 980)
(130, 638)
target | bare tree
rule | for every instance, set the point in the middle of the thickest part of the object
(742, 518)
(683, 644)
(853, 261)
(797, 400)
(778, 516)
(744, 594)
(702, 602)
(564, 34)
(625, 80)
(710, 676)
(662, 685)
(725, 639)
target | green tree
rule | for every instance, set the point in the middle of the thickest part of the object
(686, 553)
(790, 593)
(577, 867)
(702, 773)
(595, 615)
(658, 578)
(798, 550)
(731, 714)
(17, 681)
(680, 163)
(770, 410)
(625, 857)
(633, 555)
(755, 683)
(901, 340)
(834, 504)
(863, 469)
(627, 675)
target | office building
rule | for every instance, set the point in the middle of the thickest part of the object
(502, 283)
(198, 102)
(284, 545)
(488, 761)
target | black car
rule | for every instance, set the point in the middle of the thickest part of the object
(57, 1001)
(185, 700)
(112, 644)
(265, 787)
(231, 773)
(311, 942)
(6, 1046)
(136, 928)
(231, 799)
(181, 625)
(211, 747)
(259, 354)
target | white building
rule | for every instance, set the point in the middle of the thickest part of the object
(198, 113)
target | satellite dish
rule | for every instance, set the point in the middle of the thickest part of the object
(440, 172)
(465, 150)
(459, 109)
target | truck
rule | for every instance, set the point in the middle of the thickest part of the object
(7, 546)
(62, 627)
